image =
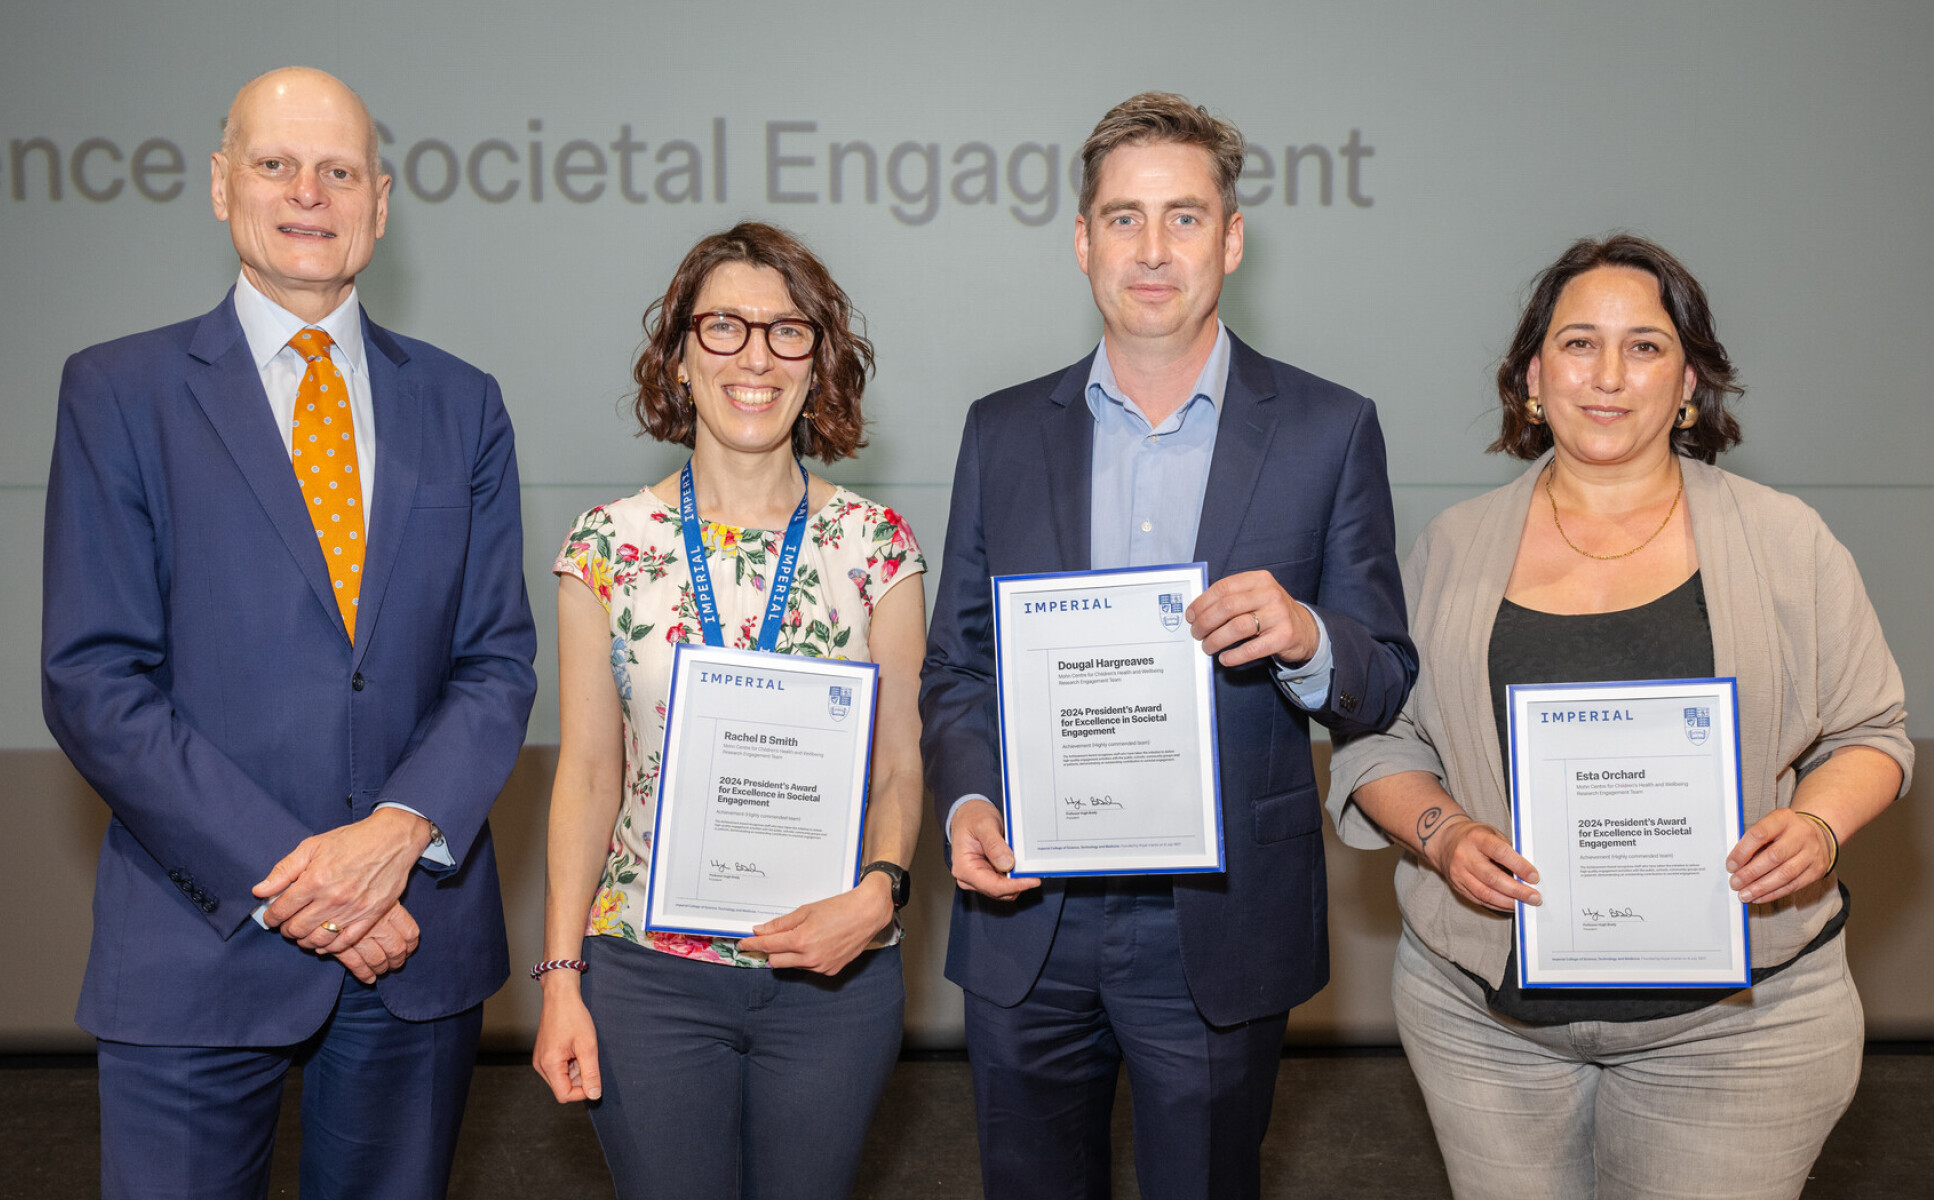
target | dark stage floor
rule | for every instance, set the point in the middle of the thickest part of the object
(1349, 1125)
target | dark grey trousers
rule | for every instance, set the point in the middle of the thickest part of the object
(736, 1082)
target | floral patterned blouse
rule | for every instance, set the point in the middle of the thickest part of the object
(631, 553)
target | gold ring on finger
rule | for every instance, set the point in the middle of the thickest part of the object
(1257, 618)
(331, 927)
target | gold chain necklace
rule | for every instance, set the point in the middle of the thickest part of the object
(1553, 470)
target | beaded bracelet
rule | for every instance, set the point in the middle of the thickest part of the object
(560, 964)
(1833, 839)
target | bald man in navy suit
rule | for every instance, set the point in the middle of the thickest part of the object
(299, 745)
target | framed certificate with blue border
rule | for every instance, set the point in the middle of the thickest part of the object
(761, 787)
(1107, 717)
(1626, 798)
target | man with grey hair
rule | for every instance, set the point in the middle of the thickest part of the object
(1171, 442)
(285, 637)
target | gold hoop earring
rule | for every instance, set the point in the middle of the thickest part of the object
(1688, 416)
(1534, 411)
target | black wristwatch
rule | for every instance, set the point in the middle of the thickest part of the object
(896, 875)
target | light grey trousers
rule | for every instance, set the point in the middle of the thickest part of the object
(1732, 1102)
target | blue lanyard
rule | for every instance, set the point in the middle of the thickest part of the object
(708, 609)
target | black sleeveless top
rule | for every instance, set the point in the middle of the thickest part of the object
(1670, 638)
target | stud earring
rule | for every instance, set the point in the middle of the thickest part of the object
(1688, 415)
(1534, 411)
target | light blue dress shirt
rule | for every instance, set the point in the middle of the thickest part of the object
(268, 327)
(1145, 498)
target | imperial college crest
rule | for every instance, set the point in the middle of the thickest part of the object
(1698, 725)
(1171, 605)
(839, 702)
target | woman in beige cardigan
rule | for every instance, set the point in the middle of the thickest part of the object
(1622, 554)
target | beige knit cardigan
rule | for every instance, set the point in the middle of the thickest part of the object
(1790, 620)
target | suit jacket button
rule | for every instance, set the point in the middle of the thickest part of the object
(357, 682)
(209, 906)
(175, 875)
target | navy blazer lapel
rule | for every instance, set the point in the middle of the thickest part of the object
(1243, 432)
(399, 448)
(1068, 441)
(229, 390)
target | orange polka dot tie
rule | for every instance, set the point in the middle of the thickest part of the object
(324, 453)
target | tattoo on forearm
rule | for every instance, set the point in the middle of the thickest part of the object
(1429, 824)
(1434, 821)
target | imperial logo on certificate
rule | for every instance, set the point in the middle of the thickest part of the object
(1626, 798)
(761, 787)
(1107, 705)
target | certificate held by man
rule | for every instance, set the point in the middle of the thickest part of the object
(761, 790)
(1627, 797)
(1107, 707)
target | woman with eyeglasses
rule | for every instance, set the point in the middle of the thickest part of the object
(718, 1066)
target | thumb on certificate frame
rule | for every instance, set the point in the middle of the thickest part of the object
(780, 924)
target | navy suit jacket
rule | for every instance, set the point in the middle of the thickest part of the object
(196, 671)
(1297, 487)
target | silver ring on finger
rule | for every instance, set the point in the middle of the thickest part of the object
(1257, 618)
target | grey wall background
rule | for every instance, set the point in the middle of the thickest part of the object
(1779, 147)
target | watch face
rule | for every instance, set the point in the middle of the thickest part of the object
(898, 877)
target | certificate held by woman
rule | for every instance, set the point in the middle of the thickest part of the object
(762, 781)
(762, 790)
(1628, 793)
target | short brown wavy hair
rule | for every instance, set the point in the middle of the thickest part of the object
(830, 427)
(1157, 118)
(1716, 429)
